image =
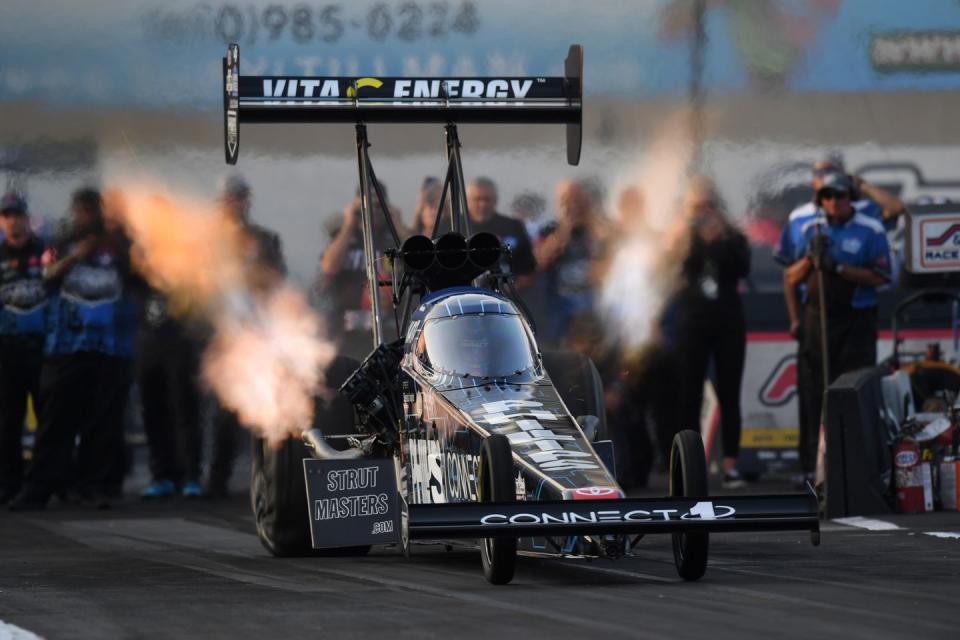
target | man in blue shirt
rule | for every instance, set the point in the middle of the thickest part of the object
(851, 251)
(23, 301)
(83, 381)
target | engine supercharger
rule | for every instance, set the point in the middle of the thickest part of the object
(909, 477)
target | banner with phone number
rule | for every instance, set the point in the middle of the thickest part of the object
(66, 53)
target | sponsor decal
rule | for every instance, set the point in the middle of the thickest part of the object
(521, 487)
(431, 88)
(596, 493)
(23, 296)
(300, 88)
(352, 502)
(851, 245)
(905, 459)
(781, 385)
(473, 88)
(340, 480)
(86, 284)
(441, 475)
(522, 422)
(699, 511)
(916, 51)
(384, 526)
(940, 243)
(364, 82)
(350, 506)
(951, 235)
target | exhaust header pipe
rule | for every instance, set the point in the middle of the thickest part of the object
(418, 253)
(319, 448)
(484, 250)
(451, 260)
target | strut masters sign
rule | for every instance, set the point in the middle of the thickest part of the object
(352, 502)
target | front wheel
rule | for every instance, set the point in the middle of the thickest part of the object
(688, 479)
(495, 477)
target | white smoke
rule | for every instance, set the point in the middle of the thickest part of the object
(651, 241)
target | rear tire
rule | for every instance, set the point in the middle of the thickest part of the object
(496, 484)
(278, 490)
(688, 478)
(577, 380)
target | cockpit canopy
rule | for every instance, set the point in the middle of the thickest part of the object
(476, 336)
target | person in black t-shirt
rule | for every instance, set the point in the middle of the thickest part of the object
(23, 300)
(568, 254)
(341, 282)
(264, 267)
(709, 318)
(482, 207)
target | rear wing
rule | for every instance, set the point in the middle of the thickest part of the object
(495, 100)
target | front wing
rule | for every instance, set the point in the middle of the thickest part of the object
(625, 516)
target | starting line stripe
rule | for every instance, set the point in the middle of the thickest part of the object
(13, 632)
(943, 534)
(867, 523)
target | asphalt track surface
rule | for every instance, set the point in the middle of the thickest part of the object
(196, 569)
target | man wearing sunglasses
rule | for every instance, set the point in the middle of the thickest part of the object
(851, 250)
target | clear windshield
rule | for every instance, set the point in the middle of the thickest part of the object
(481, 345)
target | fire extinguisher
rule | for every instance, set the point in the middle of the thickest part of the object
(909, 477)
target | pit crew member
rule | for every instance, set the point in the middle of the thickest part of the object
(83, 387)
(23, 300)
(856, 261)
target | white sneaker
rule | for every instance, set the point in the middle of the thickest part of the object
(733, 480)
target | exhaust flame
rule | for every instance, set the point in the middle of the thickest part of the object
(266, 358)
(644, 268)
(266, 363)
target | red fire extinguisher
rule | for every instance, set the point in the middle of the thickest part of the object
(909, 477)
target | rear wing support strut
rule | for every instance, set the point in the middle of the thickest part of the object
(368, 184)
(458, 194)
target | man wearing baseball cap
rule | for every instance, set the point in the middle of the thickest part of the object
(264, 267)
(850, 249)
(23, 300)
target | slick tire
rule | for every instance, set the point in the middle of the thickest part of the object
(278, 492)
(688, 478)
(499, 555)
(577, 380)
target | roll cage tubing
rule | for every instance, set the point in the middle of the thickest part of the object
(278, 99)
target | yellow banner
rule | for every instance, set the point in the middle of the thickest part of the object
(770, 438)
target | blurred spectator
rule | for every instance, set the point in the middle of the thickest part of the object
(709, 317)
(425, 209)
(121, 363)
(851, 251)
(568, 255)
(641, 384)
(23, 300)
(482, 199)
(341, 283)
(529, 207)
(88, 342)
(264, 267)
(167, 370)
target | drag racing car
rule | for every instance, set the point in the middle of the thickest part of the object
(461, 427)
